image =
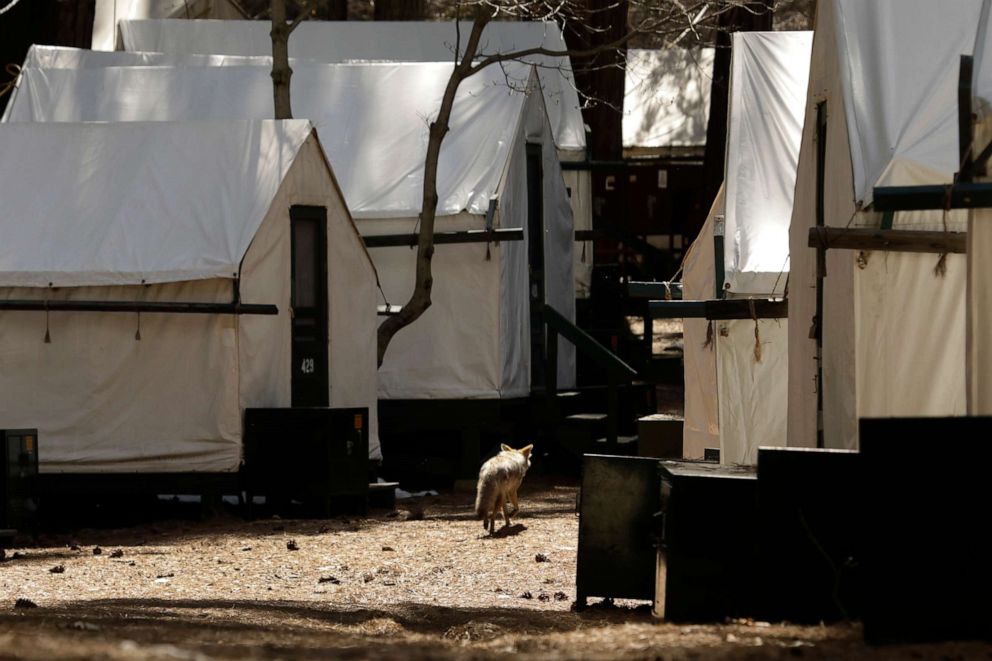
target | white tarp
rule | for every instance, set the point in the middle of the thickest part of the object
(107, 13)
(406, 41)
(901, 98)
(375, 120)
(378, 41)
(701, 428)
(768, 79)
(163, 392)
(893, 329)
(578, 182)
(666, 99)
(212, 220)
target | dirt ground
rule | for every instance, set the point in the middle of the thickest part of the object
(421, 582)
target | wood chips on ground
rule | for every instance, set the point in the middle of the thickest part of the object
(421, 582)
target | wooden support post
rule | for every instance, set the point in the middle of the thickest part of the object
(844, 238)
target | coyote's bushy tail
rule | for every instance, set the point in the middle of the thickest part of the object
(485, 497)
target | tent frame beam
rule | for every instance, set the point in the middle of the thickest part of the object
(171, 307)
(466, 236)
(720, 309)
(883, 240)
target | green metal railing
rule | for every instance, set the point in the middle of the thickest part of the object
(617, 370)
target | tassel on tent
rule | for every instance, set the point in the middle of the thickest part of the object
(48, 335)
(583, 258)
(137, 333)
(709, 336)
(940, 269)
(757, 333)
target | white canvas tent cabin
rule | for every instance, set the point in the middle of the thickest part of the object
(145, 297)
(657, 192)
(474, 347)
(736, 352)
(881, 121)
(403, 41)
(474, 341)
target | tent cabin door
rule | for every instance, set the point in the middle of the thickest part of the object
(309, 305)
(535, 261)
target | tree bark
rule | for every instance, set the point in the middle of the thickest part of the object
(282, 73)
(420, 300)
(400, 10)
(600, 77)
(739, 19)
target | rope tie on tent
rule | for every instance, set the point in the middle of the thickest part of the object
(13, 70)
(940, 270)
(48, 335)
(757, 334)
(668, 290)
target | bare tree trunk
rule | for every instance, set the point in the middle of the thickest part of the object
(420, 300)
(281, 71)
(336, 10)
(600, 77)
(400, 10)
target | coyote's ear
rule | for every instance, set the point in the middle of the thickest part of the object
(505, 448)
(526, 450)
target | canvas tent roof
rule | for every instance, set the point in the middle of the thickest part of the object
(377, 144)
(383, 41)
(118, 185)
(769, 76)
(667, 97)
(106, 14)
(900, 99)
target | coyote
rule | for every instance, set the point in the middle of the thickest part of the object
(499, 479)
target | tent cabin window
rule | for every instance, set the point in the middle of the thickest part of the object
(309, 302)
(535, 261)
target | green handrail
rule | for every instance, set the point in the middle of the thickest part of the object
(586, 343)
(616, 369)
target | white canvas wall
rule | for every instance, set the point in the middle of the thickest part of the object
(701, 428)
(893, 329)
(752, 386)
(105, 401)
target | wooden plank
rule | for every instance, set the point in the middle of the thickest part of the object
(833, 238)
(177, 307)
(441, 238)
(977, 195)
(721, 309)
